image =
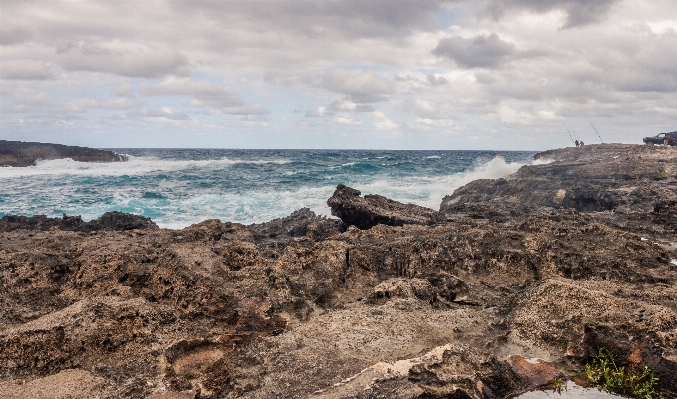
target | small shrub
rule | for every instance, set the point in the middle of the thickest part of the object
(558, 385)
(608, 377)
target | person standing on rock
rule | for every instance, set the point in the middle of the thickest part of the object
(577, 143)
(582, 143)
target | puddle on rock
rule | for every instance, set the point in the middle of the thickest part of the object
(573, 391)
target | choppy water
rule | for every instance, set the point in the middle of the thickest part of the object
(178, 187)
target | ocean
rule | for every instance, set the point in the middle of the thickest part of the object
(179, 187)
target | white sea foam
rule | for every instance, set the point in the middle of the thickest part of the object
(429, 191)
(433, 157)
(135, 166)
(177, 204)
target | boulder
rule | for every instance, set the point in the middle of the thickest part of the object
(370, 210)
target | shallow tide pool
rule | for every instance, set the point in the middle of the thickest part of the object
(573, 391)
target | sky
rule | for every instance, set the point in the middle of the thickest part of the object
(382, 74)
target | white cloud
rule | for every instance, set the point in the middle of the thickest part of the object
(347, 120)
(510, 116)
(205, 95)
(85, 104)
(124, 90)
(386, 124)
(489, 67)
(361, 86)
(318, 112)
(96, 58)
(350, 106)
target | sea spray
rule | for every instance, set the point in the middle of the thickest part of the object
(179, 187)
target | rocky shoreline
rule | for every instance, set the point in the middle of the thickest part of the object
(22, 154)
(389, 301)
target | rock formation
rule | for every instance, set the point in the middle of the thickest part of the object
(370, 210)
(21, 153)
(108, 221)
(514, 291)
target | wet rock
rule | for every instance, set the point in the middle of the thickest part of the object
(631, 352)
(534, 373)
(370, 210)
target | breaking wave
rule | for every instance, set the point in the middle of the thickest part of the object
(246, 186)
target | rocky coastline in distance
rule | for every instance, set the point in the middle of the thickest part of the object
(511, 285)
(22, 153)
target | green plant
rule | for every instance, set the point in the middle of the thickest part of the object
(558, 385)
(608, 377)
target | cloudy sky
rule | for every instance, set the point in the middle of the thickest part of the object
(482, 74)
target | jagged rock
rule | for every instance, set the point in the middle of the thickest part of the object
(117, 221)
(300, 223)
(295, 307)
(120, 221)
(449, 371)
(374, 209)
(629, 178)
(403, 288)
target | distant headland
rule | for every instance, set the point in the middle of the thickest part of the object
(22, 153)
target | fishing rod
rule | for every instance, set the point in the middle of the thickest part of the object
(593, 126)
(571, 138)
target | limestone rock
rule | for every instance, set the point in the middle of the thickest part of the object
(370, 210)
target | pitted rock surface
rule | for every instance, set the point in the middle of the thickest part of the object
(392, 302)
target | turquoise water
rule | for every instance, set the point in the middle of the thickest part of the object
(179, 187)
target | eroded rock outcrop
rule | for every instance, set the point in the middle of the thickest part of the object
(304, 306)
(370, 210)
(595, 178)
(108, 221)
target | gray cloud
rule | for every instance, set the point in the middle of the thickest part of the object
(85, 104)
(319, 112)
(204, 92)
(327, 18)
(360, 86)
(480, 51)
(26, 70)
(205, 95)
(437, 80)
(92, 58)
(579, 12)
(149, 114)
(13, 36)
